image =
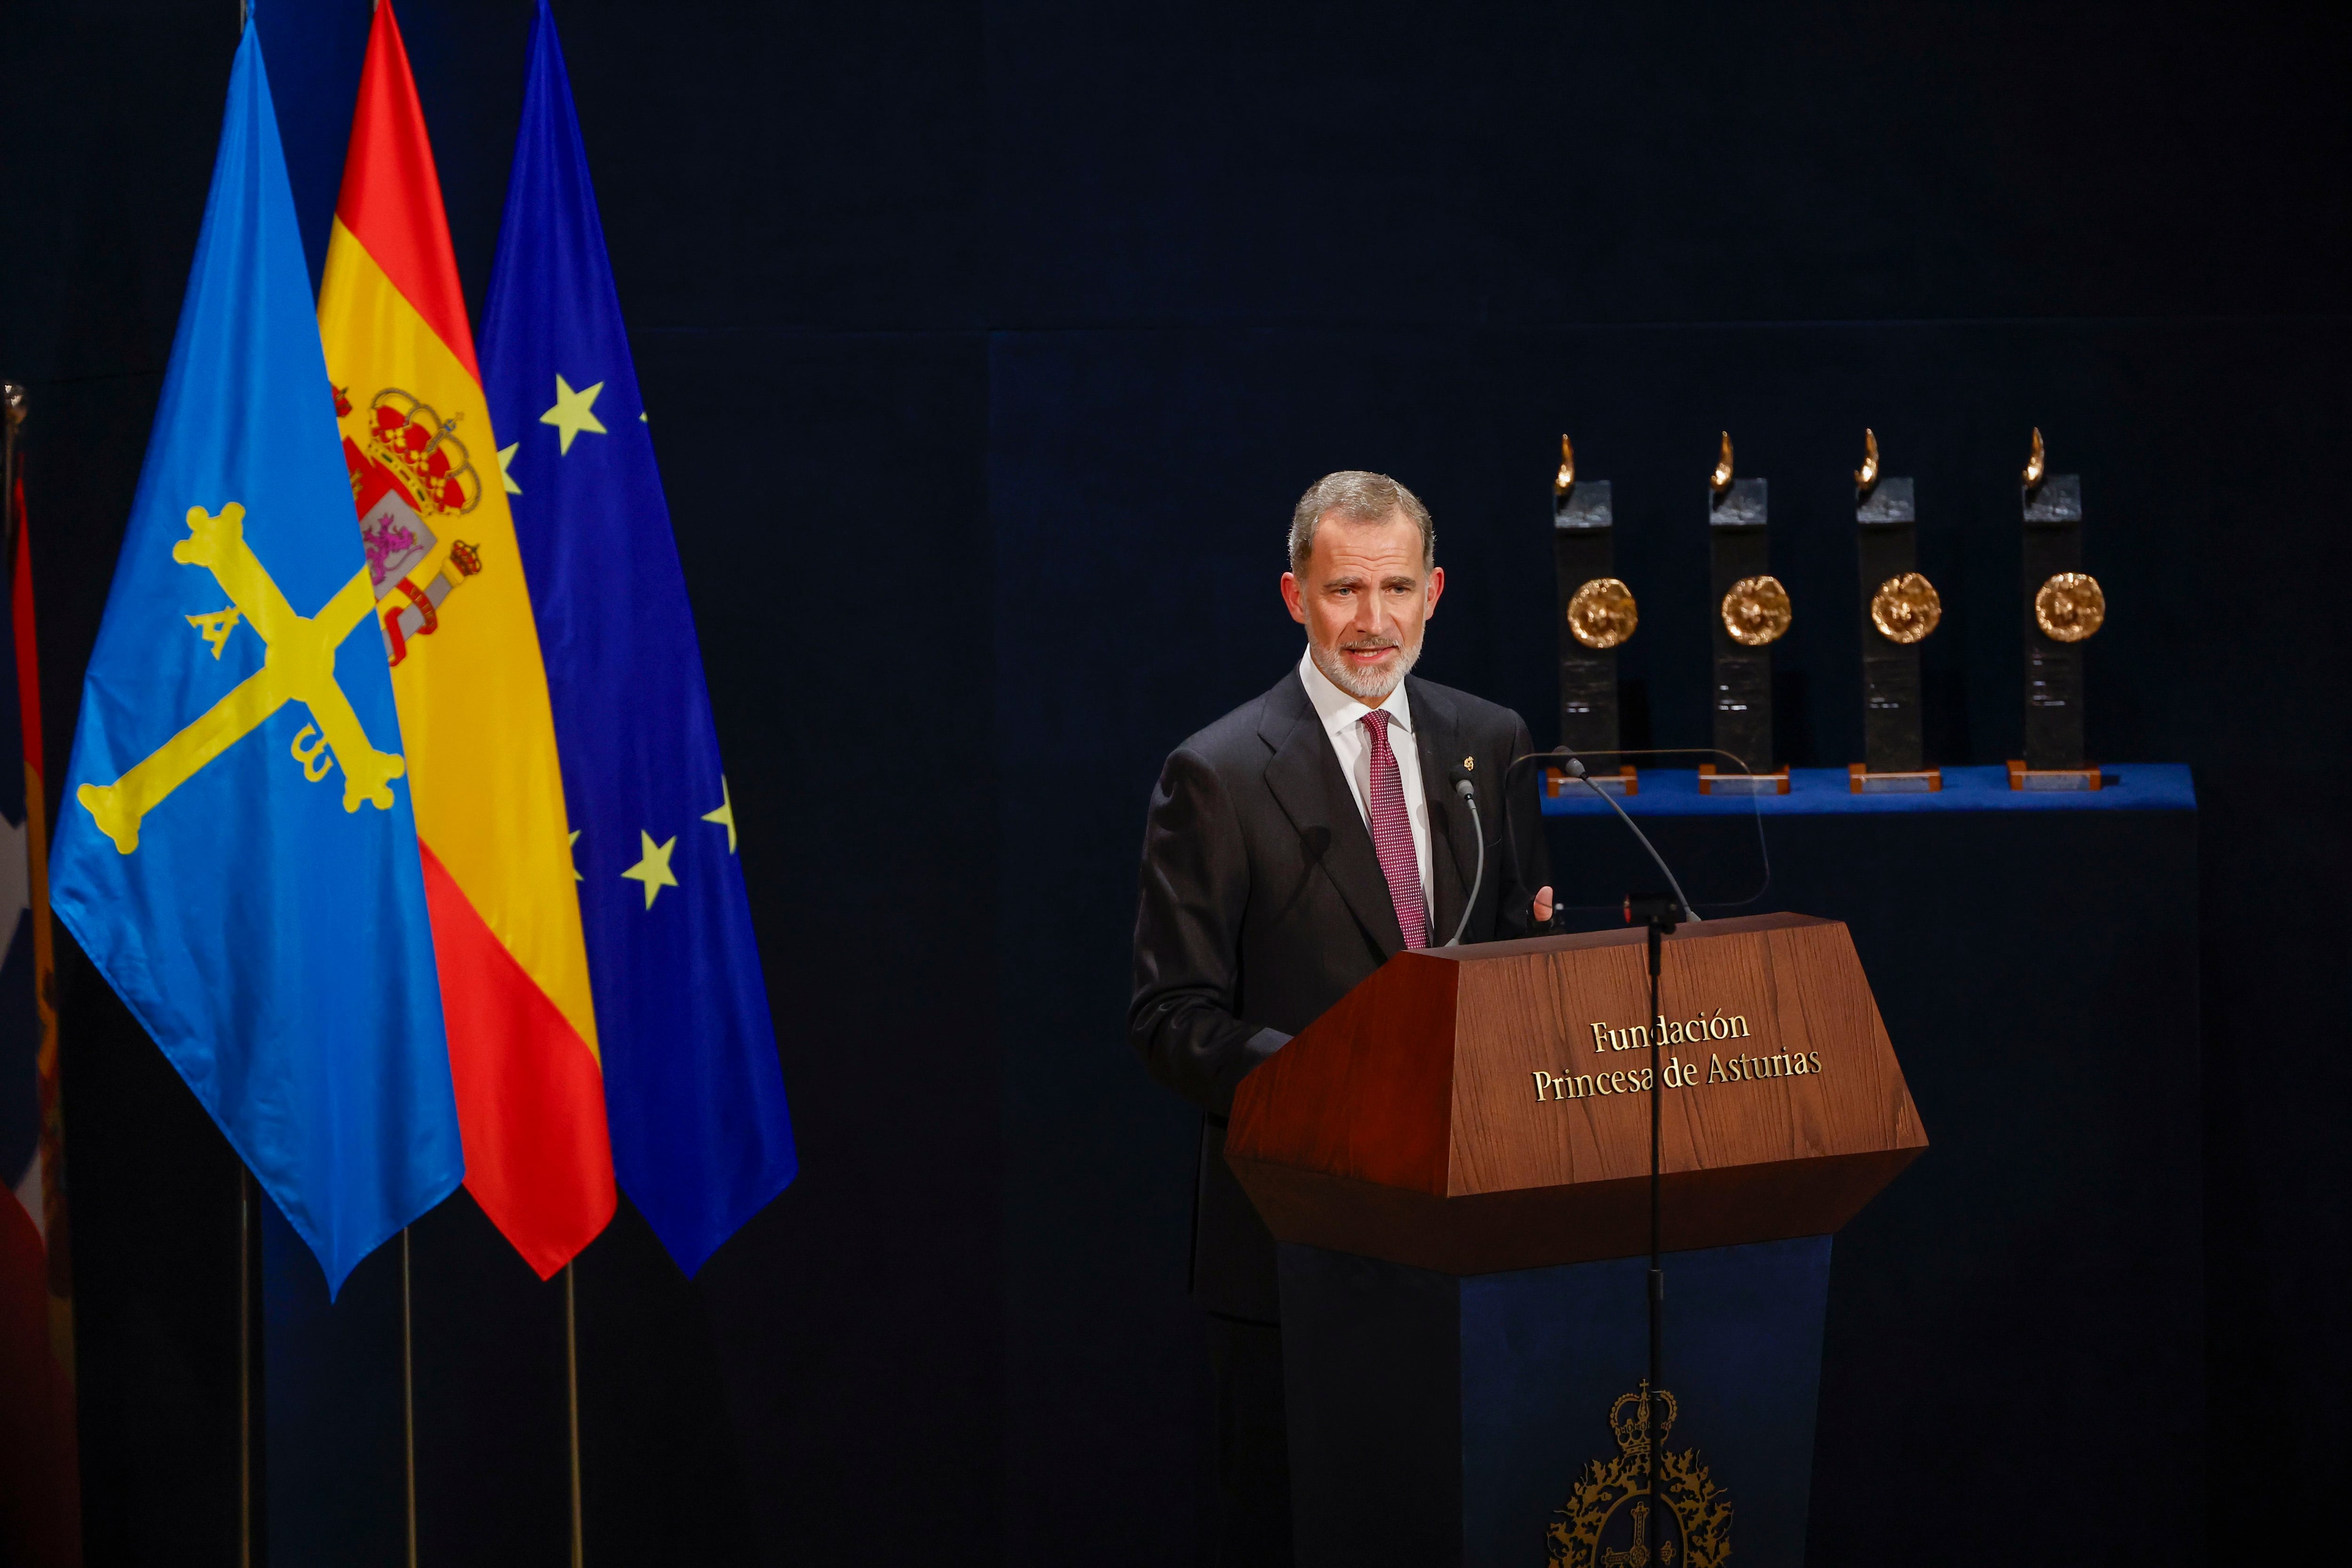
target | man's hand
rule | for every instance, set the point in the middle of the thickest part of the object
(1542, 910)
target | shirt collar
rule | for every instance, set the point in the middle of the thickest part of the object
(1338, 710)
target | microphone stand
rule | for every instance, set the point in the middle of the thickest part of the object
(1661, 916)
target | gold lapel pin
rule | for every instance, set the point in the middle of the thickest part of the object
(1471, 763)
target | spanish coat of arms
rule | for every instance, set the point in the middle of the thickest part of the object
(1610, 1519)
(413, 467)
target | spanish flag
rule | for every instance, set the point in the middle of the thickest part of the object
(456, 618)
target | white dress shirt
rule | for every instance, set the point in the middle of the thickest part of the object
(1341, 715)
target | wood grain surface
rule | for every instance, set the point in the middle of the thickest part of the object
(1409, 1122)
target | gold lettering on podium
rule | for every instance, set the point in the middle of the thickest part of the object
(1717, 1025)
(1676, 1072)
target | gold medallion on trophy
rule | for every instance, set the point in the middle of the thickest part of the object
(1906, 609)
(2070, 606)
(1756, 612)
(1601, 614)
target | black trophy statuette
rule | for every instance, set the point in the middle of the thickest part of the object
(2064, 606)
(1597, 614)
(1751, 613)
(1899, 609)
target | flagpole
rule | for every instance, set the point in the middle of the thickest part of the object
(12, 414)
(247, 1259)
(572, 1399)
(407, 1396)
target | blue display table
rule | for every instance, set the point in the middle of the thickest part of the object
(2014, 1358)
(1814, 792)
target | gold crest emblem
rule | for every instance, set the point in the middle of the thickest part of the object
(1609, 1521)
(1906, 609)
(1601, 614)
(1757, 611)
(2070, 606)
(417, 447)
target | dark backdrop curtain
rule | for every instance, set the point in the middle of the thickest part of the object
(987, 346)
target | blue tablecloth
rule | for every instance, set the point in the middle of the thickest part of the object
(1673, 791)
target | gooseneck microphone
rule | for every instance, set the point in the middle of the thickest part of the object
(1573, 767)
(1469, 792)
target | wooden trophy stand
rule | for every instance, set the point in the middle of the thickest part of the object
(1625, 782)
(1712, 782)
(1455, 1162)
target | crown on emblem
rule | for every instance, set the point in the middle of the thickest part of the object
(1628, 1424)
(467, 558)
(409, 437)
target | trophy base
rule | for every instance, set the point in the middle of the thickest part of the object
(1712, 782)
(1623, 784)
(1860, 779)
(2022, 777)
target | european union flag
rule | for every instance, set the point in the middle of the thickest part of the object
(236, 851)
(693, 1094)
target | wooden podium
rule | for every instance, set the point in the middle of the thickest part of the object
(1456, 1159)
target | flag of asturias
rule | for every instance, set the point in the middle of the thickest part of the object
(701, 1137)
(450, 594)
(237, 853)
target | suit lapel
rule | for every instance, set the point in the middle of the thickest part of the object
(1453, 842)
(1304, 775)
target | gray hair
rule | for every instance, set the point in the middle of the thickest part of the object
(1360, 498)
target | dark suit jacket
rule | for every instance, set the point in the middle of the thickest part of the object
(1264, 903)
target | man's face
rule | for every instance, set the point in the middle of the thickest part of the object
(1364, 599)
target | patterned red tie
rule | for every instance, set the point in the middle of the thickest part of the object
(1392, 834)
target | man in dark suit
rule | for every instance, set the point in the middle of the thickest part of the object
(1292, 847)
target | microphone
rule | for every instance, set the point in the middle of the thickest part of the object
(1570, 764)
(1469, 793)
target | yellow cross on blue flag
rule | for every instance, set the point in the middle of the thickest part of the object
(236, 851)
(693, 1092)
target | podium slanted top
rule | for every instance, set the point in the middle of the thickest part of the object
(1479, 1109)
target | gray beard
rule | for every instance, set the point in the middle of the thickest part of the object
(1371, 691)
